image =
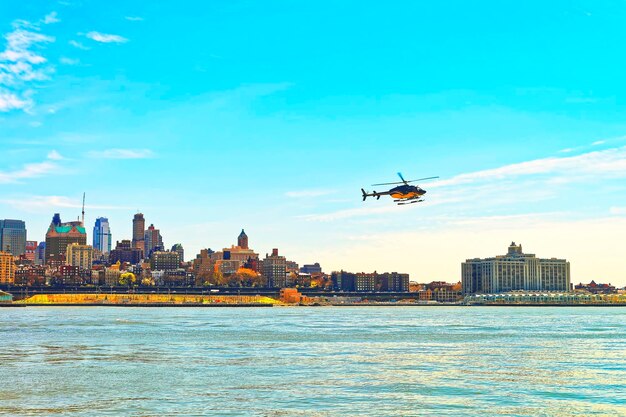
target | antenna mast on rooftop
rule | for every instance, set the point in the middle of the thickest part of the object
(82, 220)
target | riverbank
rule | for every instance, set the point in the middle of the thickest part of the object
(147, 300)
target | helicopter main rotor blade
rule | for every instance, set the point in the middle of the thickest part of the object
(387, 183)
(401, 177)
(423, 179)
(405, 182)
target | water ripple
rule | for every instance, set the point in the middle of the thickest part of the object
(406, 361)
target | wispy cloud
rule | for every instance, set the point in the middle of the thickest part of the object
(122, 154)
(55, 156)
(134, 18)
(21, 63)
(11, 101)
(308, 193)
(50, 18)
(609, 162)
(79, 45)
(353, 212)
(106, 37)
(618, 210)
(32, 170)
(69, 61)
(527, 183)
(38, 203)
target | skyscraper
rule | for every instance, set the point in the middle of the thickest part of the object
(13, 237)
(102, 235)
(152, 241)
(242, 240)
(139, 227)
(60, 235)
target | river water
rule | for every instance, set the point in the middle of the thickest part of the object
(324, 361)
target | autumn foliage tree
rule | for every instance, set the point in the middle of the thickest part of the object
(245, 277)
(127, 279)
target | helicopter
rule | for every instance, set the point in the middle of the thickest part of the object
(402, 194)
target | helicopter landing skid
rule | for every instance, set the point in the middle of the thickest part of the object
(403, 203)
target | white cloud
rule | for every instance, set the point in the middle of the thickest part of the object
(618, 210)
(354, 212)
(20, 64)
(134, 18)
(28, 171)
(598, 142)
(69, 61)
(36, 204)
(11, 101)
(308, 193)
(51, 18)
(526, 183)
(33, 170)
(607, 163)
(122, 154)
(105, 37)
(55, 156)
(79, 45)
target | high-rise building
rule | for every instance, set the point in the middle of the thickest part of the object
(275, 270)
(102, 235)
(125, 252)
(178, 248)
(152, 241)
(139, 226)
(515, 271)
(7, 268)
(60, 236)
(40, 254)
(242, 240)
(31, 249)
(13, 237)
(164, 261)
(80, 256)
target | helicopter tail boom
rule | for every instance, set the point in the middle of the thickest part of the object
(374, 194)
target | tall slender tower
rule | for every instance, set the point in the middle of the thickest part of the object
(139, 228)
(82, 215)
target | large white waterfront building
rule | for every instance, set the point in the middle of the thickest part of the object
(515, 271)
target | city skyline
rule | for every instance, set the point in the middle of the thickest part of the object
(232, 124)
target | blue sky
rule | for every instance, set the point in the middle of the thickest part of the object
(213, 116)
